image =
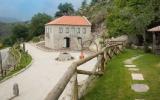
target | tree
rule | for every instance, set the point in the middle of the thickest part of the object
(131, 17)
(84, 4)
(94, 1)
(20, 31)
(65, 9)
(38, 22)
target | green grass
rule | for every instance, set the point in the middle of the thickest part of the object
(25, 60)
(115, 84)
(149, 65)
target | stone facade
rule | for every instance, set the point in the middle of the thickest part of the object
(66, 36)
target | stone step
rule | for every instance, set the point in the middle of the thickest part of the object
(133, 69)
(137, 76)
(140, 87)
(130, 66)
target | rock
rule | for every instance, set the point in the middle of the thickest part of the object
(15, 90)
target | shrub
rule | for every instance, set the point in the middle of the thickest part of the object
(146, 48)
(1, 45)
(35, 39)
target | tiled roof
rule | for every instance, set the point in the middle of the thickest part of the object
(70, 20)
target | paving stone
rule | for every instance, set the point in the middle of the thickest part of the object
(137, 76)
(133, 69)
(130, 61)
(140, 87)
(139, 99)
(130, 66)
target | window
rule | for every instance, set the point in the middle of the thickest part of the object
(49, 30)
(84, 30)
(78, 30)
(73, 30)
(47, 35)
(60, 30)
(67, 30)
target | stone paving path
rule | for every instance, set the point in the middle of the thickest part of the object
(136, 76)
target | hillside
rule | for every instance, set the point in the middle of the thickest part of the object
(8, 20)
(5, 28)
(96, 13)
(117, 17)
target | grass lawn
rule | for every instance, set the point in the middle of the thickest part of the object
(115, 84)
(25, 60)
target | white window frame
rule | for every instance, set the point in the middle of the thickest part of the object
(60, 29)
(73, 30)
(67, 29)
(84, 30)
(78, 30)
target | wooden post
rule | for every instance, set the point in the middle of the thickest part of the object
(75, 87)
(89, 72)
(102, 63)
(1, 64)
(154, 42)
(24, 47)
(110, 57)
(105, 55)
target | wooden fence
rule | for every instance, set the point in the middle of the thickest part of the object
(72, 72)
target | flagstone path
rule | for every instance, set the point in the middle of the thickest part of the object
(136, 76)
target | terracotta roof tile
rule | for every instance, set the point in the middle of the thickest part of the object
(70, 20)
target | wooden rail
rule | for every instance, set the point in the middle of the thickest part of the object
(71, 73)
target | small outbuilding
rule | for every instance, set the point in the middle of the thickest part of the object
(67, 32)
(156, 39)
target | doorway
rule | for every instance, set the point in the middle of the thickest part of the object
(67, 42)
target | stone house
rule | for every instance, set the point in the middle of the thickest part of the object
(67, 32)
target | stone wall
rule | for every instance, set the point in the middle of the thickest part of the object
(55, 40)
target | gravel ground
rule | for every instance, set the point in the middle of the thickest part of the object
(37, 81)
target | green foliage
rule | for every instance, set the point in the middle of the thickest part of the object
(123, 16)
(65, 9)
(20, 31)
(94, 2)
(36, 39)
(15, 52)
(1, 45)
(84, 3)
(130, 17)
(8, 41)
(38, 22)
(24, 61)
(5, 29)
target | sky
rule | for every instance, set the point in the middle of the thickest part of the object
(24, 9)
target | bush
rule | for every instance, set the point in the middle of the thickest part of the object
(1, 45)
(35, 39)
(146, 48)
